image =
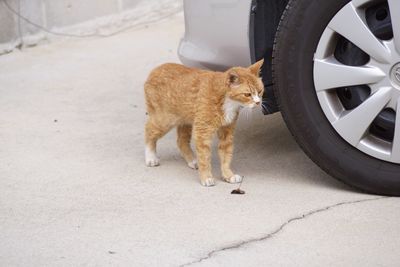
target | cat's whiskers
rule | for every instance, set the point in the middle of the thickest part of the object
(244, 111)
(263, 106)
(247, 111)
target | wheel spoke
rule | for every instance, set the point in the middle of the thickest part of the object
(353, 125)
(396, 140)
(330, 73)
(394, 6)
(358, 3)
(349, 24)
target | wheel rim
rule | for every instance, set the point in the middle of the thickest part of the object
(358, 87)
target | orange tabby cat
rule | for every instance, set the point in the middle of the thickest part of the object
(203, 103)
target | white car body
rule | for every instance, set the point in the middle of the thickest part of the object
(217, 34)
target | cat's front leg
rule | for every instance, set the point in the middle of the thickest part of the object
(203, 138)
(225, 151)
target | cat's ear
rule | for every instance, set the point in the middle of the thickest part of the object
(233, 79)
(256, 67)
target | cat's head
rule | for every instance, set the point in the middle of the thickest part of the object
(245, 85)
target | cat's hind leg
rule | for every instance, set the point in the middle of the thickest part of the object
(155, 129)
(184, 133)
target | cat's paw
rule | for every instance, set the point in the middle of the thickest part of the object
(152, 162)
(151, 158)
(236, 178)
(193, 165)
(208, 182)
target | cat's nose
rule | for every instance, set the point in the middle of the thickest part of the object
(257, 102)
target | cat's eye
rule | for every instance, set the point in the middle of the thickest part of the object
(247, 94)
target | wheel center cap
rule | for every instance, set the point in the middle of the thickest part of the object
(395, 75)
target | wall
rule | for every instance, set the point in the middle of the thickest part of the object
(43, 20)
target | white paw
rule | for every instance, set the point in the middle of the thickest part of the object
(193, 165)
(151, 158)
(153, 162)
(208, 182)
(236, 178)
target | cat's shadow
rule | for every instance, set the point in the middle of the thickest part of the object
(263, 144)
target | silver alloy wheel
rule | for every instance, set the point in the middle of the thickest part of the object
(381, 74)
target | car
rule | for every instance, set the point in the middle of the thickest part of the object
(332, 68)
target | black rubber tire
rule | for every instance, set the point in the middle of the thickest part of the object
(300, 29)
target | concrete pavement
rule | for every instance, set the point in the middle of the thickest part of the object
(74, 190)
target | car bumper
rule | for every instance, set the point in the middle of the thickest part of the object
(216, 34)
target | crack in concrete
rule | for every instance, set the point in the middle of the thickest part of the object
(279, 229)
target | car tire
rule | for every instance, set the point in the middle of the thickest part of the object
(296, 41)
